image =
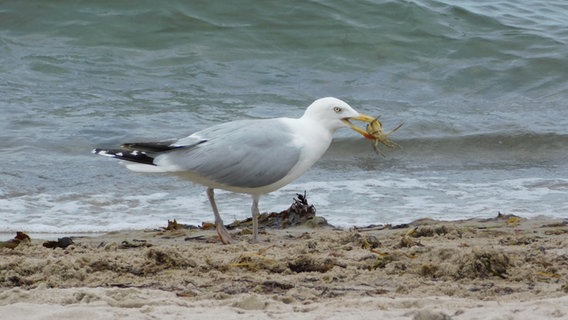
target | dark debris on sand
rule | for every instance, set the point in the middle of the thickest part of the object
(300, 213)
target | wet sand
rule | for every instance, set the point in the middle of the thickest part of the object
(502, 268)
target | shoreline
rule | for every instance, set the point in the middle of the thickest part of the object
(43, 235)
(503, 266)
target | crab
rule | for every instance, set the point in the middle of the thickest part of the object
(375, 132)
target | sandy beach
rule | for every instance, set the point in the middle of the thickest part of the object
(502, 268)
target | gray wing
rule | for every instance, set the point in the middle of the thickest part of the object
(247, 154)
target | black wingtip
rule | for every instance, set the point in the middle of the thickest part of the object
(128, 155)
(160, 146)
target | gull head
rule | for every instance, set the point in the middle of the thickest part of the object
(335, 114)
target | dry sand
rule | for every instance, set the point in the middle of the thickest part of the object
(503, 268)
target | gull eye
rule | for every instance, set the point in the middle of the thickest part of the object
(337, 109)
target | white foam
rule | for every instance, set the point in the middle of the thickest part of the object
(397, 199)
(96, 213)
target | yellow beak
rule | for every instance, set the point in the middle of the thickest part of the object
(360, 117)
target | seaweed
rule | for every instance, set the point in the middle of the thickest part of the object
(13, 243)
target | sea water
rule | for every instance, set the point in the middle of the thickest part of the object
(480, 86)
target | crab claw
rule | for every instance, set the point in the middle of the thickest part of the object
(360, 117)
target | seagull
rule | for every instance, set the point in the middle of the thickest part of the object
(255, 156)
